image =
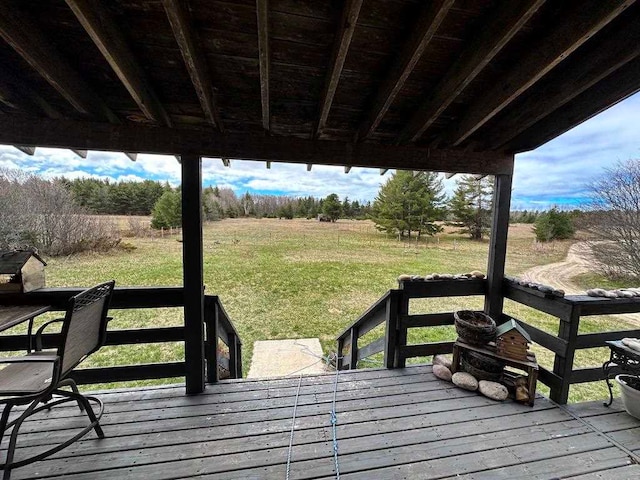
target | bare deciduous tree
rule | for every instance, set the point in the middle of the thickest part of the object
(614, 219)
(39, 213)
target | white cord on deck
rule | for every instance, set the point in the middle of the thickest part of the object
(293, 425)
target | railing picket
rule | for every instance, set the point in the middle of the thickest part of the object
(353, 358)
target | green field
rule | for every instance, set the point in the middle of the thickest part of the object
(301, 278)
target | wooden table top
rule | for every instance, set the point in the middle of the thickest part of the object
(12, 315)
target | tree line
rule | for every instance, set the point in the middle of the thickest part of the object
(102, 196)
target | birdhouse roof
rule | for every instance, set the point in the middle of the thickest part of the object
(512, 325)
(13, 260)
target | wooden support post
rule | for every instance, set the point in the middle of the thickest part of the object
(563, 366)
(391, 332)
(192, 272)
(494, 299)
(353, 358)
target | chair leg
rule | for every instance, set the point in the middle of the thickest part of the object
(17, 423)
(4, 419)
(74, 388)
(92, 416)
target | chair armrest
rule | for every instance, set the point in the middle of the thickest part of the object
(40, 331)
(31, 358)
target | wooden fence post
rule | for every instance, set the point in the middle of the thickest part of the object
(563, 367)
(401, 340)
(391, 331)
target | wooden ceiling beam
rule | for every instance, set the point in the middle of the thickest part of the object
(347, 169)
(96, 19)
(501, 26)
(262, 9)
(613, 89)
(25, 149)
(573, 77)
(194, 59)
(17, 29)
(450, 175)
(80, 153)
(383, 171)
(19, 96)
(348, 21)
(583, 20)
(16, 130)
(226, 162)
(432, 16)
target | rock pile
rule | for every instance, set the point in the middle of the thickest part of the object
(546, 289)
(493, 390)
(620, 293)
(441, 276)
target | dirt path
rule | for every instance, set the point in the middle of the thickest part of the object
(560, 275)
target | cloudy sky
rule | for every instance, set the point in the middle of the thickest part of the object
(554, 174)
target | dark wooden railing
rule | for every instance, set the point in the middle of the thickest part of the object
(393, 310)
(217, 325)
(564, 344)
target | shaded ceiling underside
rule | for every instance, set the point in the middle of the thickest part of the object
(449, 79)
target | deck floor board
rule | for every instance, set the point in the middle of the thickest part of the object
(391, 424)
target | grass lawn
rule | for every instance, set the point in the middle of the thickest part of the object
(299, 278)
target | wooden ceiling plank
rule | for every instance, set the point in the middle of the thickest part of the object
(497, 31)
(80, 153)
(25, 149)
(563, 86)
(40, 53)
(615, 88)
(347, 26)
(432, 16)
(163, 140)
(262, 10)
(98, 22)
(584, 20)
(178, 15)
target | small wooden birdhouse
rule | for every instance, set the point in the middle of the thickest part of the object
(21, 271)
(512, 340)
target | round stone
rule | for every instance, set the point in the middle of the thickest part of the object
(493, 390)
(442, 360)
(465, 380)
(442, 372)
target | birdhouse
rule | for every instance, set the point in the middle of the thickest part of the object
(512, 341)
(21, 271)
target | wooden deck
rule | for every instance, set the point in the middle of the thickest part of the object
(391, 424)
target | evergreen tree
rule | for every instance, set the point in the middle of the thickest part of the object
(471, 205)
(331, 207)
(409, 201)
(553, 225)
(167, 211)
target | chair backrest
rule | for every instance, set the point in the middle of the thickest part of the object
(85, 325)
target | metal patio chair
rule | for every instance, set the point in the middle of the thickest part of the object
(34, 379)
